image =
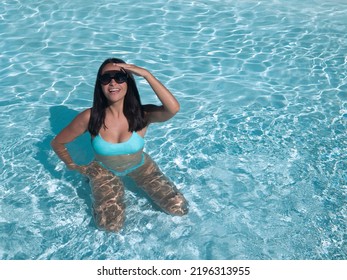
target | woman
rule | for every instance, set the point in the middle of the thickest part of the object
(117, 123)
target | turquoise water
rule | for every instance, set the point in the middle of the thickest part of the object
(259, 147)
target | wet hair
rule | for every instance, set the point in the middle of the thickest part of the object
(132, 109)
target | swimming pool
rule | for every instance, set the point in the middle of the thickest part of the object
(259, 148)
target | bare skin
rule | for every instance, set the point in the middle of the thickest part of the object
(115, 120)
(108, 189)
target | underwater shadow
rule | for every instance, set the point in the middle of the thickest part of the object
(80, 150)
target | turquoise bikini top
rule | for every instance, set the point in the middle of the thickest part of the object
(134, 144)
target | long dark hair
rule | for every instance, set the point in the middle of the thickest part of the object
(132, 109)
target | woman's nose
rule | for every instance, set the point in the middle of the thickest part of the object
(113, 81)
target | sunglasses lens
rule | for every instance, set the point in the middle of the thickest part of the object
(105, 79)
(119, 77)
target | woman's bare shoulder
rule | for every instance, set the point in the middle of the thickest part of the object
(85, 114)
(81, 121)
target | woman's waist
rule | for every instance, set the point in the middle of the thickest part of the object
(121, 163)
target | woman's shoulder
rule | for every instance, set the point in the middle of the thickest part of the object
(86, 113)
(84, 116)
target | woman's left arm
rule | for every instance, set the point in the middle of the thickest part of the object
(170, 105)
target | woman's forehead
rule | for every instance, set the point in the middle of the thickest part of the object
(111, 67)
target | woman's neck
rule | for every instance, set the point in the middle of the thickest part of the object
(115, 109)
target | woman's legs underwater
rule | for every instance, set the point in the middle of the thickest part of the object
(163, 192)
(108, 194)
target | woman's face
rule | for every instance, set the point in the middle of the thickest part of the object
(113, 83)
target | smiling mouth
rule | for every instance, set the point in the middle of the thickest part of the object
(114, 90)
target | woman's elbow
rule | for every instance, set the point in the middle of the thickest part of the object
(176, 108)
(52, 143)
(55, 144)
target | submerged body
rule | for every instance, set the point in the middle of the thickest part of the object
(127, 159)
(118, 123)
(108, 193)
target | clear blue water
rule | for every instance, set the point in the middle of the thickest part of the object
(259, 147)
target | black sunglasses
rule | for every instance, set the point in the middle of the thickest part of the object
(119, 76)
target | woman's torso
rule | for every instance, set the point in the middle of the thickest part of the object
(116, 147)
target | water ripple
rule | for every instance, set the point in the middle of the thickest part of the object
(258, 147)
